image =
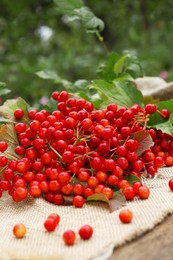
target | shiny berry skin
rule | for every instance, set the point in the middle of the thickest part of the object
(19, 230)
(125, 216)
(143, 192)
(128, 193)
(150, 108)
(50, 224)
(18, 113)
(20, 128)
(55, 216)
(165, 113)
(78, 201)
(58, 199)
(3, 146)
(86, 232)
(170, 183)
(69, 237)
(108, 192)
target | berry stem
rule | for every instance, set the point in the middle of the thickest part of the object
(55, 151)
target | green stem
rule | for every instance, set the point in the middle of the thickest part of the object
(55, 151)
(101, 39)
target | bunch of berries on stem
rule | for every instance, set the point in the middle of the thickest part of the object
(78, 151)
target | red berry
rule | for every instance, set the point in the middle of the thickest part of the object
(78, 201)
(86, 232)
(19, 230)
(50, 224)
(165, 113)
(126, 215)
(69, 237)
(129, 193)
(170, 183)
(3, 146)
(150, 108)
(143, 192)
(108, 192)
(18, 113)
(58, 199)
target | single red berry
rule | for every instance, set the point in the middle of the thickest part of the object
(50, 224)
(78, 201)
(143, 192)
(126, 216)
(169, 161)
(19, 230)
(123, 183)
(170, 183)
(55, 95)
(150, 108)
(20, 128)
(18, 113)
(58, 199)
(69, 237)
(3, 146)
(129, 193)
(108, 192)
(86, 232)
(165, 113)
(78, 189)
(35, 191)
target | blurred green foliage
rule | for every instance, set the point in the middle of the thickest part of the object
(35, 35)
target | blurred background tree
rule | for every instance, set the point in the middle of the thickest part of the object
(35, 36)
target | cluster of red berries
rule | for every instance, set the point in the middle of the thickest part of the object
(77, 150)
(69, 236)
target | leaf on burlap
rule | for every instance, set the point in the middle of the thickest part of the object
(117, 202)
(8, 108)
(144, 139)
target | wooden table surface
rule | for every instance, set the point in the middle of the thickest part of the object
(154, 245)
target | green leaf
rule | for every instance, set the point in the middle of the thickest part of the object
(119, 68)
(52, 75)
(106, 70)
(144, 139)
(77, 11)
(90, 22)
(132, 178)
(2, 84)
(48, 74)
(158, 122)
(120, 64)
(3, 89)
(8, 108)
(115, 203)
(121, 93)
(68, 6)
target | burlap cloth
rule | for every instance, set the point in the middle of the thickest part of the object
(108, 231)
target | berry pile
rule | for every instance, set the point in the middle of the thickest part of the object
(78, 151)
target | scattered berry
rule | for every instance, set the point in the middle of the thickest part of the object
(126, 215)
(170, 183)
(69, 237)
(19, 230)
(86, 232)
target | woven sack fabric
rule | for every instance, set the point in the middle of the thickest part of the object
(109, 232)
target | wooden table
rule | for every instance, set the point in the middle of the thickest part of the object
(154, 245)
